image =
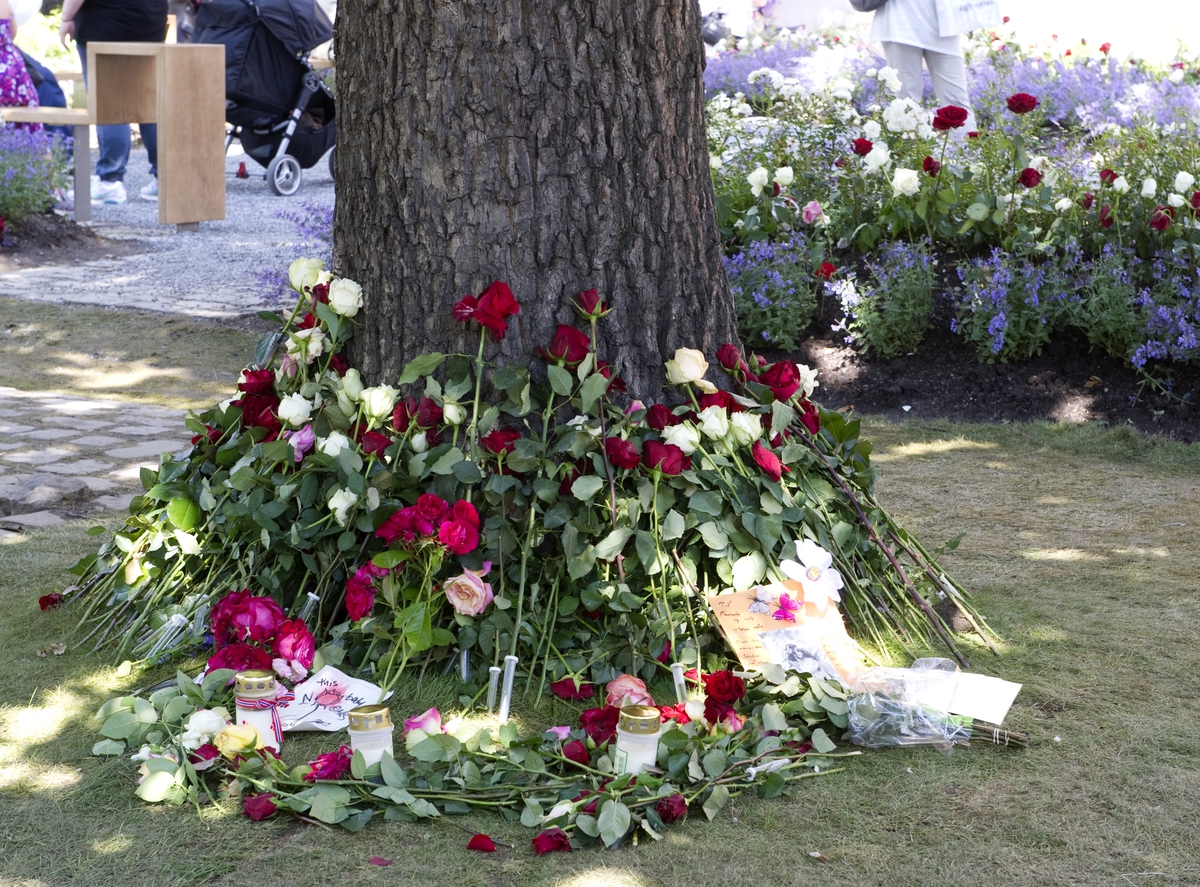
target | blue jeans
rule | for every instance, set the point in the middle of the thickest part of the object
(115, 140)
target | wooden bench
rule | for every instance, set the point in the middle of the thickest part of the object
(80, 119)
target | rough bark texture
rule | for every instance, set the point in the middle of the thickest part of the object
(556, 145)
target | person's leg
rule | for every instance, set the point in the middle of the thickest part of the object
(907, 62)
(150, 140)
(113, 139)
(949, 76)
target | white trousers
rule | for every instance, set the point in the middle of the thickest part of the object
(948, 72)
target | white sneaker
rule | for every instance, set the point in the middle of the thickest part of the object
(150, 192)
(109, 193)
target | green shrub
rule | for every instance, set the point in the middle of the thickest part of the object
(32, 166)
(888, 315)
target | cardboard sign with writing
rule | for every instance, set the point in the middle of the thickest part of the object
(742, 629)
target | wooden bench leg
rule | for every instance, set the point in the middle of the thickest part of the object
(83, 174)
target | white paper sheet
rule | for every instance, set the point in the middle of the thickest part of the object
(323, 702)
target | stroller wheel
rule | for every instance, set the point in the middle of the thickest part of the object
(283, 175)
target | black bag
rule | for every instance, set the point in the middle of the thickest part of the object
(867, 5)
(34, 74)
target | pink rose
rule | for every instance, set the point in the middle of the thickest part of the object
(627, 690)
(811, 212)
(459, 536)
(468, 594)
(295, 642)
(429, 722)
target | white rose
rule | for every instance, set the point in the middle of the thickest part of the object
(877, 158)
(715, 161)
(420, 442)
(744, 428)
(352, 384)
(758, 180)
(872, 130)
(334, 444)
(1176, 200)
(345, 296)
(924, 130)
(1183, 181)
(684, 435)
(714, 422)
(1149, 188)
(377, 402)
(208, 721)
(784, 176)
(808, 379)
(1064, 204)
(453, 412)
(1120, 185)
(294, 410)
(1176, 76)
(688, 365)
(310, 343)
(302, 273)
(340, 504)
(346, 405)
(906, 182)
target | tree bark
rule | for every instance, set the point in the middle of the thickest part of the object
(557, 145)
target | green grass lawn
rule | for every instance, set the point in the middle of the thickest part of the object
(1080, 549)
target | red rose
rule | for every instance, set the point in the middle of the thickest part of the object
(339, 364)
(429, 413)
(659, 417)
(258, 411)
(459, 536)
(724, 686)
(1022, 103)
(257, 382)
(949, 117)
(331, 765)
(1196, 200)
(1030, 177)
(465, 512)
(622, 453)
(576, 751)
(931, 166)
(667, 458)
(810, 417)
(767, 461)
(783, 378)
(600, 724)
(502, 440)
(665, 656)
(1107, 176)
(490, 310)
(826, 271)
(973, 134)
(359, 597)
(204, 757)
(432, 508)
(862, 147)
(566, 689)
(255, 619)
(1106, 217)
(1161, 219)
(615, 383)
(1088, 200)
(213, 435)
(672, 808)
(590, 305)
(716, 711)
(50, 601)
(552, 840)
(677, 713)
(259, 807)
(722, 399)
(239, 657)
(295, 642)
(1105, 47)
(308, 321)
(373, 443)
(482, 843)
(403, 414)
(570, 346)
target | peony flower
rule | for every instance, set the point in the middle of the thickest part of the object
(468, 594)
(259, 807)
(815, 574)
(345, 297)
(377, 402)
(304, 273)
(1022, 103)
(688, 365)
(331, 765)
(684, 436)
(905, 181)
(567, 688)
(1149, 188)
(714, 423)
(784, 176)
(758, 180)
(552, 840)
(340, 504)
(1120, 185)
(1183, 181)
(237, 739)
(294, 410)
(627, 690)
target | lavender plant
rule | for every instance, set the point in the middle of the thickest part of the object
(889, 314)
(772, 285)
(32, 166)
(314, 227)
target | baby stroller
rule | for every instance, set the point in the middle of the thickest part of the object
(281, 112)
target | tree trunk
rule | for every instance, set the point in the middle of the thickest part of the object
(557, 145)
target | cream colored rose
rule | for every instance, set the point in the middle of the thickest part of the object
(808, 380)
(294, 410)
(352, 384)
(758, 180)
(714, 422)
(378, 402)
(684, 435)
(345, 296)
(1183, 181)
(1121, 185)
(453, 412)
(340, 504)
(334, 444)
(784, 176)
(906, 182)
(744, 428)
(688, 365)
(468, 594)
(309, 343)
(1149, 188)
(237, 739)
(302, 273)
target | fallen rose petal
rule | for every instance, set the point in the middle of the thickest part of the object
(379, 860)
(482, 843)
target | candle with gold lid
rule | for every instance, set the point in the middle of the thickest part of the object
(257, 696)
(638, 729)
(371, 731)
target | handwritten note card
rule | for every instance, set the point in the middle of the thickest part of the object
(742, 629)
(323, 702)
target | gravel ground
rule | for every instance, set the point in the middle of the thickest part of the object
(211, 273)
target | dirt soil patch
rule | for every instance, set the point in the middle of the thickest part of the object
(50, 239)
(944, 379)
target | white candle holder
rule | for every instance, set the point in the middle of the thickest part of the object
(371, 732)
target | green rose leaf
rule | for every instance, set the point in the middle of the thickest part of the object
(108, 747)
(584, 488)
(560, 380)
(614, 822)
(420, 366)
(610, 546)
(716, 801)
(184, 513)
(821, 742)
(593, 387)
(122, 725)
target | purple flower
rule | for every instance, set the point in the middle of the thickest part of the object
(302, 441)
